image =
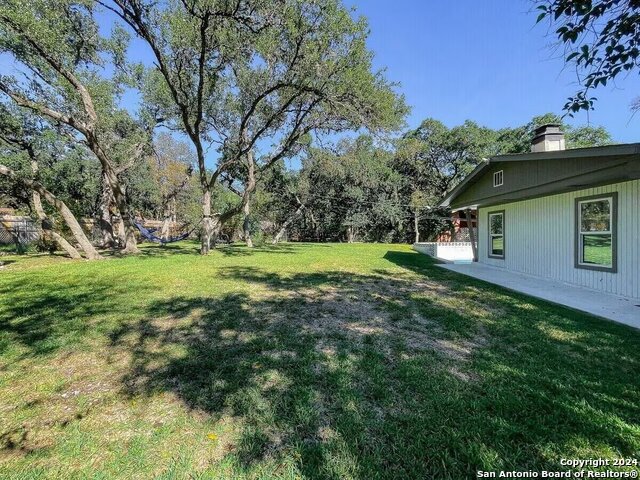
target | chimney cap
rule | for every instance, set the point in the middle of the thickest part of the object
(548, 128)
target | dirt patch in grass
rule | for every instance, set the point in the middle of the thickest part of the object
(383, 310)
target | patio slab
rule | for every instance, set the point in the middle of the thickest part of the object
(619, 309)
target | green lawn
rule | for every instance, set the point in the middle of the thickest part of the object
(314, 361)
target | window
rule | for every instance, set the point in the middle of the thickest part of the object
(596, 222)
(496, 234)
(498, 178)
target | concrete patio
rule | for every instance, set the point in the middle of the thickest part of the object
(619, 309)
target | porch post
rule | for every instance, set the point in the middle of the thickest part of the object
(472, 234)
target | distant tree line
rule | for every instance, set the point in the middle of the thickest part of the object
(367, 189)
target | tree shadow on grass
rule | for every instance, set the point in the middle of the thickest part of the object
(41, 317)
(406, 372)
(324, 378)
(562, 352)
(240, 249)
(153, 250)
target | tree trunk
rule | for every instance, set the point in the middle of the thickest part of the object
(315, 226)
(416, 225)
(285, 225)
(166, 220)
(105, 222)
(46, 224)
(216, 224)
(120, 231)
(119, 197)
(216, 229)
(168, 215)
(249, 187)
(207, 223)
(48, 231)
(165, 228)
(244, 205)
(350, 234)
(107, 239)
(89, 250)
(66, 214)
(130, 243)
(246, 225)
(62, 242)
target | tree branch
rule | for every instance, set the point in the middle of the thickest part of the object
(43, 109)
(58, 67)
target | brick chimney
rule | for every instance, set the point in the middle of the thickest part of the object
(547, 138)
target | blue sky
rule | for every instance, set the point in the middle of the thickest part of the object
(486, 61)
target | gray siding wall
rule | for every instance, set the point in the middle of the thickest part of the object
(539, 239)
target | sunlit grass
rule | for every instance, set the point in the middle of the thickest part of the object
(301, 360)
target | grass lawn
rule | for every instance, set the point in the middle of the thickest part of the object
(302, 360)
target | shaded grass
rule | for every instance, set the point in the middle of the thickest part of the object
(318, 361)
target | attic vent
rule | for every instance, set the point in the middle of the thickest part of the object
(498, 178)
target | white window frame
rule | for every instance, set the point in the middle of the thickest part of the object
(496, 235)
(612, 198)
(498, 178)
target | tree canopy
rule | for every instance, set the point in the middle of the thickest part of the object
(61, 61)
(254, 79)
(369, 190)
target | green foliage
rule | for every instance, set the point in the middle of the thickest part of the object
(378, 192)
(602, 39)
(353, 188)
(259, 78)
(265, 80)
(52, 42)
(431, 160)
(518, 140)
(279, 194)
(69, 171)
(434, 157)
(588, 136)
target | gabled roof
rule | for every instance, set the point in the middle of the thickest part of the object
(482, 166)
(600, 166)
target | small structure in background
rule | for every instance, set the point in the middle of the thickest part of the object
(456, 245)
(460, 228)
(18, 230)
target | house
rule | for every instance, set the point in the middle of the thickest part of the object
(572, 216)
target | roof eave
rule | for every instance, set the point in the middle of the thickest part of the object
(604, 151)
